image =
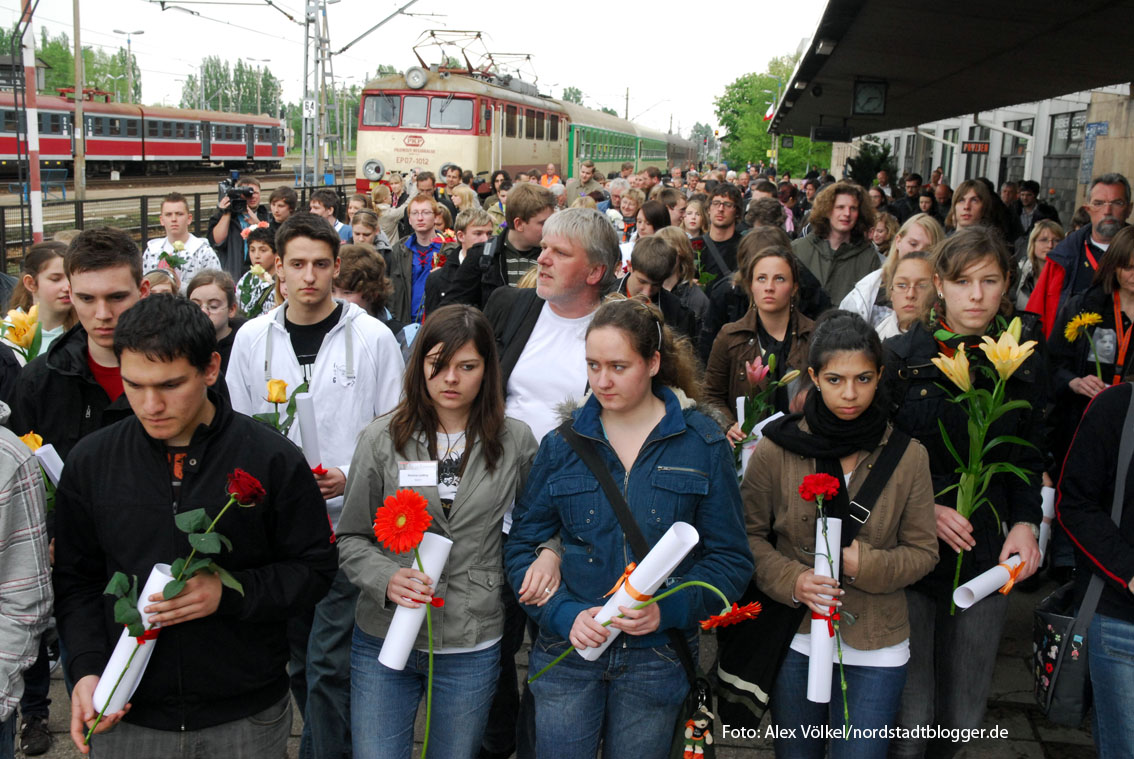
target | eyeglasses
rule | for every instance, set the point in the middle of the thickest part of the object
(213, 306)
(904, 287)
(722, 204)
(420, 214)
(1117, 205)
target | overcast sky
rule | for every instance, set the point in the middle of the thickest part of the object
(674, 56)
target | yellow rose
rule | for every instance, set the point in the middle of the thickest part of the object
(178, 246)
(1006, 356)
(277, 391)
(32, 440)
(956, 368)
(257, 271)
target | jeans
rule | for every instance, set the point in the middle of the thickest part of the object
(260, 736)
(8, 737)
(629, 699)
(326, 719)
(37, 684)
(1110, 653)
(511, 724)
(949, 674)
(298, 634)
(873, 695)
(385, 701)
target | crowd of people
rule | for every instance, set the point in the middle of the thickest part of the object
(506, 347)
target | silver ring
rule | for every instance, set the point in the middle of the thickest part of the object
(547, 590)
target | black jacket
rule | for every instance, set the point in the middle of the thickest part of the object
(1043, 211)
(678, 317)
(479, 276)
(58, 397)
(513, 313)
(231, 251)
(1086, 495)
(115, 512)
(917, 391)
(440, 281)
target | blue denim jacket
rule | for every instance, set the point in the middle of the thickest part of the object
(684, 472)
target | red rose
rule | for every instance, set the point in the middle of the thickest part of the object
(245, 488)
(817, 486)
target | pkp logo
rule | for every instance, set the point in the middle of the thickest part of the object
(414, 140)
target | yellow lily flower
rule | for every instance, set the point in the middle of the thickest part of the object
(21, 327)
(277, 391)
(790, 377)
(1078, 325)
(1015, 328)
(1006, 355)
(32, 440)
(956, 368)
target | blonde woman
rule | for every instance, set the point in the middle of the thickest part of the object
(1045, 235)
(868, 297)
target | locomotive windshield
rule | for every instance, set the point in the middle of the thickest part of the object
(381, 110)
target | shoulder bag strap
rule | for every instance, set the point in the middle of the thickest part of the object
(864, 499)
(585, 449)
(718, 259)
(1125, 453)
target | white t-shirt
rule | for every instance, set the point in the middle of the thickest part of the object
(552, 369)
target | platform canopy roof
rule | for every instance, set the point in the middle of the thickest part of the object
(943, 58)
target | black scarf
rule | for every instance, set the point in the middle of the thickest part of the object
(829, 437)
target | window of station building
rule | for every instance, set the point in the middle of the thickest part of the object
(976, 164)
(1067, 133)
(529, 124)
(414, 110)
(510, 121)
(451, 114)
(1017, 146)
(381, 110)
(553, 128)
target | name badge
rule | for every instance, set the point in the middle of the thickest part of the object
(416, 474)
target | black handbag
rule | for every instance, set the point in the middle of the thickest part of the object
(749, 654)
(695, 720)
(1059, 632)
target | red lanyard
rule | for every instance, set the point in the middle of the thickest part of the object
(1090, 256)
(1123, 339)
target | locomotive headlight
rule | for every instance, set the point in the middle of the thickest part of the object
(374, 170)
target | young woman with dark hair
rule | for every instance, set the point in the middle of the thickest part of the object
(451, 415)
(673, 464)
(952, 655)
(843, 432)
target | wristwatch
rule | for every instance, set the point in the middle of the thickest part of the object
(1034, 528)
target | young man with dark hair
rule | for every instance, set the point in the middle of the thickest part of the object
(584, 183)
(324, 204)
(837, 250)
(506, 258)
(352, 366)
(217, 678)
(453, 176)
(651, 262)
(282, 203)
(195, 253)
(225, 226)
(75, 388)
(722, 239)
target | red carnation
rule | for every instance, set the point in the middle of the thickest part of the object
(817, 487)
(733, 616)
(245, 488)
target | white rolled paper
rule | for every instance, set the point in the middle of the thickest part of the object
(308, 429)
(822, 656)
(51, 463)
(406, 624)
(985, 584)
(159, 577)
(1047, 496)
(646, 578)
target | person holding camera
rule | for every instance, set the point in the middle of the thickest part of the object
(236, 210)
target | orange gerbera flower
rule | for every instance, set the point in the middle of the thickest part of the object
(732, 616)
(401, 521)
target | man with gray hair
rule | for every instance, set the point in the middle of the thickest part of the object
(540, 333)
(615, 188)
(1078, 256)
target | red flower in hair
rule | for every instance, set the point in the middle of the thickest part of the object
(401, 521)
(732, 616)
(245, 488)
(818, 486)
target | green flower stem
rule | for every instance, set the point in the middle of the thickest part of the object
(835, 623)
(642, 605)
(231, 500)
(429, 680)
(1098, 366)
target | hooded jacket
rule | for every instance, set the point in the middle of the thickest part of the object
(1061, 277)
(837, 270)
(356, 377)
(684, 472)
(115, 512)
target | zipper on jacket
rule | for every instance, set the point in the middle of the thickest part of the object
(689, 470)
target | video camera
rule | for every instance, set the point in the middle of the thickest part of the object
(238, 196)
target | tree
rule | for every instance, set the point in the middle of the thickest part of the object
(572, 95)
(702, 134)
(871, 159)
(740, 111)
(611, 111)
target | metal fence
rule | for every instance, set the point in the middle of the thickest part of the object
(138, 215)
